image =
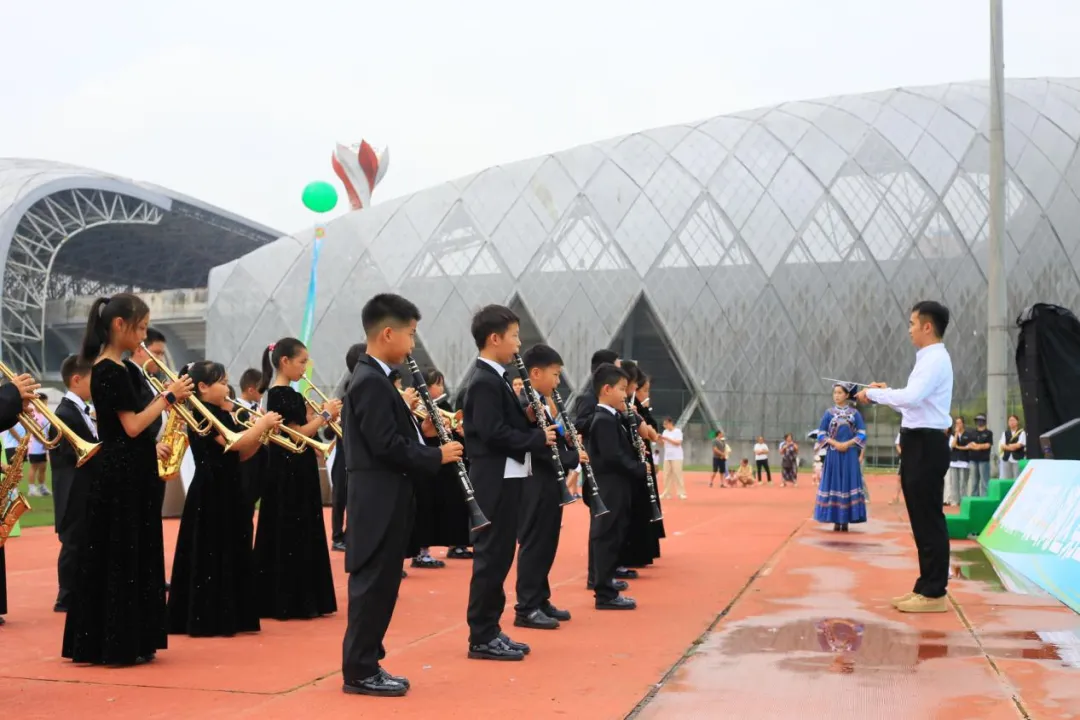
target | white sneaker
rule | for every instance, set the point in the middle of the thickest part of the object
(32, 491)
(44, 491)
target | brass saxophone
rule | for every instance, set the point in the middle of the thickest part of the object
(12, 503)
(175, 436)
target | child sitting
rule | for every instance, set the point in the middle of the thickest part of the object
(744, 475)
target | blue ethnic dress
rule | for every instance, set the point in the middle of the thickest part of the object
(841, 496)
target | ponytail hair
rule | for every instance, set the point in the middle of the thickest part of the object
(125, 306)
(273, 355)
(206, 372)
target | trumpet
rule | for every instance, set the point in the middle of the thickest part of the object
(421, 412)
(285, 437)
(83, 450)
(334, 425)
(185, 409)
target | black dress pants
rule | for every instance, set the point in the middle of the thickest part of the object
(493, 554)
(922, 478)
(339, 497)
(607, 534)
(539, 524)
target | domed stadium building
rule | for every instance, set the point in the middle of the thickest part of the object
(739, 259)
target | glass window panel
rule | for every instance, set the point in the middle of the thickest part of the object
(668, 137)
(796, 191)
(909, 200)
(736, 191)
(518, 236)
(884, 236)
(456, 242)
(704, 238)
(969, 101)
(489, 197)
(954, 134)
(396, 246)
(1058, 147)
(933, 163)
(968, 208)
(822, 156)
(579, 245)
(768, 233)
(672, 191)
(1038, 175)
(857, 195)
(546, 287)
(581, 162)
(861, 107)
(611, 192)
(877, 157)
(578, 334)
(673, 285)
(939, 241)
(700, 155)
(725, 130)
(1018, 112)
(761, 153)
(1064, 216)
(898, 129)
(1063, 107)
(550, 194)
(427, 208)
(642, 234)
(788, 128)
(806, 110)
(918, 109)
(843, 128)
(696, 333)
(639, 157)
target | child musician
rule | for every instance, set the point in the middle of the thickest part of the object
(501, 443)
(117, 615)
(617, 467)
(541, 512)
(14, 397)
(292, 561)
(251, 470)
(212, 588)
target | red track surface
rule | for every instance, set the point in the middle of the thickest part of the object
(751, 554)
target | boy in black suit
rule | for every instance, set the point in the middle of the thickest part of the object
(384, 455)
(339, 479)
(251, 470)
(540, 517)
(70, 483)
(617, 467)
(501, 443)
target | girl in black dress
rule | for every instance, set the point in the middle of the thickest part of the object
(292, 557)
(117, 612)
(212, 590)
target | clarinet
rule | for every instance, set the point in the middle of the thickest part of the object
(542, 421)
(633, 419)
(477, 520)
(595, 502)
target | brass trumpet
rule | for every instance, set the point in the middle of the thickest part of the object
(285, 437)
(453, 419)
(187, 409)
(83, 450)
(334, 425)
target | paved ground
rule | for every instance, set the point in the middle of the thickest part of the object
(753, 612)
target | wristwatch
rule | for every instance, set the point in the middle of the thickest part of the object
(326, 416)
(170, 397)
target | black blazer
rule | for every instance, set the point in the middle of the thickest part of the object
(496, 426)
(382, 456)
(582, 412)
(70, 484)
(542, 461)
(11, 406)
(611, 452)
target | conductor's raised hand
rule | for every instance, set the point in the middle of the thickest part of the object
(452, 452)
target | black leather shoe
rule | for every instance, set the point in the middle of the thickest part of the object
(553, 612)
(396, 678)
(2, 620)
(626, 574)
(168, 586)
(379, 685)
(497, 649)
(620, 585)
(536, 620)
(60, 607)
(618, 603)
(338, 546)
(514, 645)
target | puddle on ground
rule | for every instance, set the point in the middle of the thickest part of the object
(977, 564)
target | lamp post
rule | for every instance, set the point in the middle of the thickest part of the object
(997, 360)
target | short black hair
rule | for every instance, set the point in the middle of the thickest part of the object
(607, 374)
(387, 309)
(153, 335)
(74, 365)
(250, 378)
(434, 377)
(633, 372)
(491, 320)
(669, 419)
(541, 356)
(206, 372)
(600, 357)
(352, 355)
(935, 312)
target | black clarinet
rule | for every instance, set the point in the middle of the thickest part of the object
(633, 419)
(542, 421)
(477, 520)
(595, 502)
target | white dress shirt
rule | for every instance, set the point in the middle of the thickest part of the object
(84, 409)
(925, 402)
(513, 468)
(386, 369)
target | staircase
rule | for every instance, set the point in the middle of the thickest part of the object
(975, 512)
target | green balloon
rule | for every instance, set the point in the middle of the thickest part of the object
(319, 196)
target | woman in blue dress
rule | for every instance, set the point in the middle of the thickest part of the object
(841, 497)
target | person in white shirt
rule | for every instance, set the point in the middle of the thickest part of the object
(673, 460)
(38, 458)
(924, 409)
(761, 459)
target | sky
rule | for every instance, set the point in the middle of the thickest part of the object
(240, 103)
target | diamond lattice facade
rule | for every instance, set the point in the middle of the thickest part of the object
(741, 258)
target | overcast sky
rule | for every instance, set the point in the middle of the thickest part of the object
(240, 104)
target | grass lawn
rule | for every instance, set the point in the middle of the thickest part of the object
(41, 508)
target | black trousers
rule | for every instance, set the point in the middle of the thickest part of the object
(607, 534)
(373, 594)
(539, 525)
(763, 465)
(922, 478)
(493, 554)
(339, 497)
(3, 583)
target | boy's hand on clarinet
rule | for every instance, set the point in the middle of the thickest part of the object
(451, 452)
(549, 435)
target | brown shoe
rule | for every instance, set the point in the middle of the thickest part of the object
(903, 598)
(920, 604)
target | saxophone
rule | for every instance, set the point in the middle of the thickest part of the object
(175, 436)
(12, 503)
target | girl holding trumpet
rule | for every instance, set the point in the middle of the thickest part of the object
(212, 591)
(292, 559)
(117, 612)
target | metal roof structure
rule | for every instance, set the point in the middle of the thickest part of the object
(67, 230)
